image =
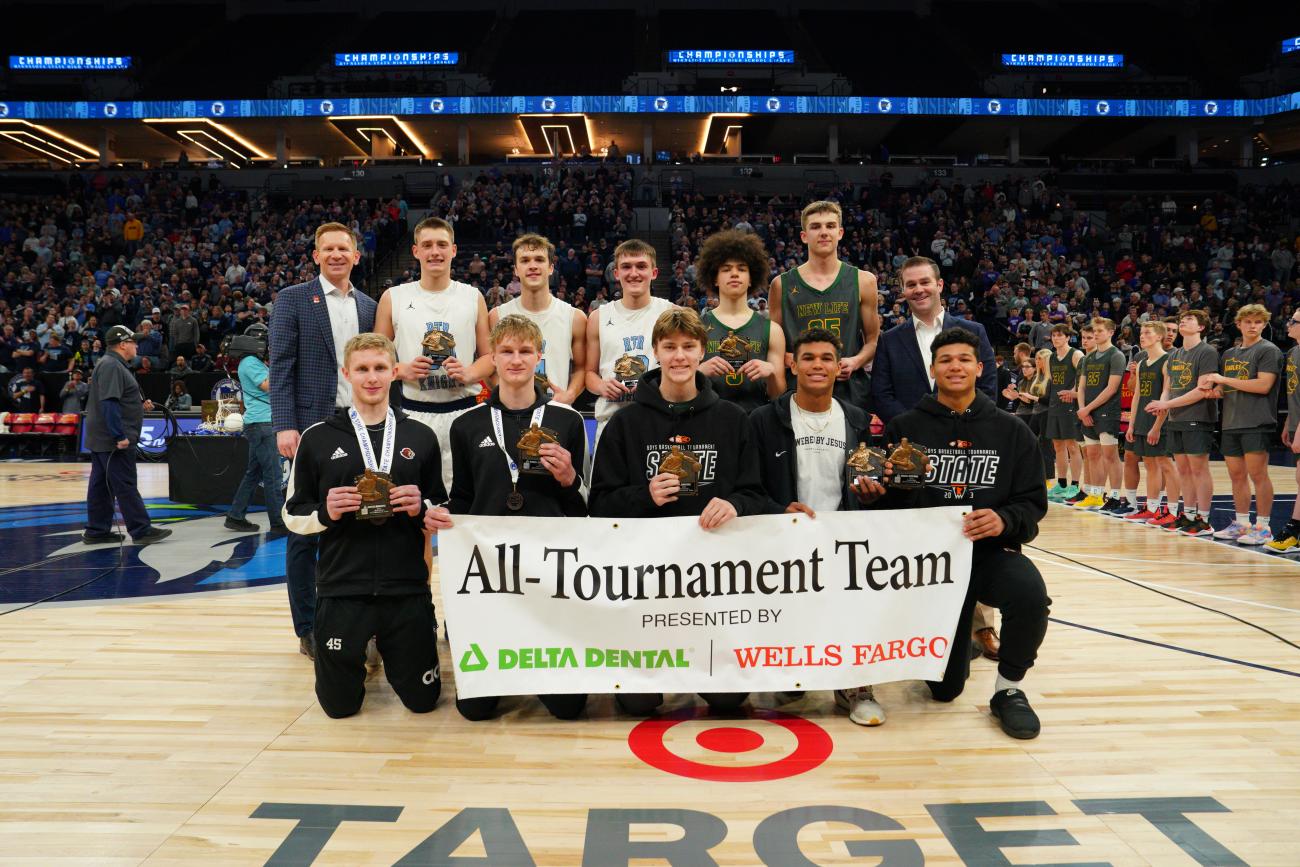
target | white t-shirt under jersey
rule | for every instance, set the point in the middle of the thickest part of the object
(624, 331)
(416, 311)
(819, 455)
(556, 323)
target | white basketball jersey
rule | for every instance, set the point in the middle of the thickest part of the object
(416, 312)
(556, 323)
(625, 332)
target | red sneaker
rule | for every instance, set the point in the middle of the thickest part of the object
(1163, 518)
(1144, 515)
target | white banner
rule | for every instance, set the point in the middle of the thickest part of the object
(771, 602)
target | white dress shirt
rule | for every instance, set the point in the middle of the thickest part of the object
(925, 335)
(341, 305)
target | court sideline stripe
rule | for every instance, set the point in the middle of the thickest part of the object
(1243, 621)
(1165, 646)
(1232, 599)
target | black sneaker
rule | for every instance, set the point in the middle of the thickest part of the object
(1011, 708)
(1111, 506)
(241, 525)
(101, 538)
(1082, 495)
(1184, 520)
(155, 534)
(307, 645)
(1199, 527)
(277, 532)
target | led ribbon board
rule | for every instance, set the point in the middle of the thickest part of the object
(75, 63)
(731, 56)
(398, 58)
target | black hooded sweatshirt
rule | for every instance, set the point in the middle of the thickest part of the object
(982, 458)
(641, 435)
(361, 558)
(481, 477)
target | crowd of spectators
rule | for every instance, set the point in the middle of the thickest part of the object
(188, 263)
(183, 262)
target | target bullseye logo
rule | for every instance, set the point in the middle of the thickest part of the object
(813, 746)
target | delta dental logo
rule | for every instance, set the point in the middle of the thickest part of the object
(201, 555)
(532, 658)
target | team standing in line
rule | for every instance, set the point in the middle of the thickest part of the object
(664, 376)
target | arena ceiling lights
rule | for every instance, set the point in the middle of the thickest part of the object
(717, 129)
(219, 141)
(361, 129)
(572, 130)
(46, 142)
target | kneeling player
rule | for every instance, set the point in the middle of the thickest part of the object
(1003, 516)
(673, 405)
(371, 578)
(804, 439)
(494, 481)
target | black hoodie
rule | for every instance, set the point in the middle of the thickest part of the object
(982, 458)
(639, 436)
(481, 477)
(778, 456)
(361, 558)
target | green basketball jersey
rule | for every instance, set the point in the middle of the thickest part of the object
(753, 336)
(835, 308)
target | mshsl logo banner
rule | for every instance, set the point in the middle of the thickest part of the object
(770, 602)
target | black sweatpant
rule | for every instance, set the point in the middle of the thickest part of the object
(1011, 583)
(403, 628)
(1038, 424)
(564, 706)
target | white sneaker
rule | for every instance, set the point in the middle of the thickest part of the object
(862, 706)
(1233, 531)
(1257, 536)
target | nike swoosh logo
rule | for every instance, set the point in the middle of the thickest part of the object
(778, 454)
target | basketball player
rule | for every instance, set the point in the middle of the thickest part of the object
(824, 292)
(1099, 408)
(1085, 347)
(497, 480)
(457, 313)
(1192, 413)
(1288, 541)
(1146, 433)
(1002, 517)
(674, 410)
(619, 334)
(1062, 423)
(564, 328)
(745, 358)
(370, 579)
(1249, 383)
(804, 439)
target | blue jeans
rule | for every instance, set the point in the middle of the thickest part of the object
(264, 467)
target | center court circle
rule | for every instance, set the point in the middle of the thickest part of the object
(814, 746)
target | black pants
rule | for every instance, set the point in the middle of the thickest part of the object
(113, 478)
(566, 706)
(403, 628)
(300, 579)
(1038, 424)
(1011, 583)
(646, 703)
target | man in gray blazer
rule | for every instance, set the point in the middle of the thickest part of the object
(310, 324)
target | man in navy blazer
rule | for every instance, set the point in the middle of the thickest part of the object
(900, 374)
(310, 323)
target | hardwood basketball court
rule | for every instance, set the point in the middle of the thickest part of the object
(164, 716)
